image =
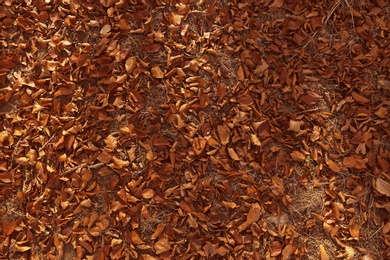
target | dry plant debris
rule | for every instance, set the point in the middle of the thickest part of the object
(194, 129)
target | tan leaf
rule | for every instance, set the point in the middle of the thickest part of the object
(86, 203)
(22, 161)
(349, 253)
(223, 132)
(105, 29)
(323, 253)
(157, 72)
(162, 245)
(255, 140)
(382, 187)
(295, 125)
(130, 64)
(298, 156)
(240, 73)
(111, 142)
(175, 19)
(233, 154)
(118, 163)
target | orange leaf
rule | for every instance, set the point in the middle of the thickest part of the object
(240, 73)
(354, 229)
(382, 112)
(157, 72)
(349, 162)
(359, 98)
(333, 166)
(162, 245)
(135, 238)
(288, 251)
(276, 248)
(221, 91)
(298, 156)
(276, 4)
(233, 154)
(254, 213)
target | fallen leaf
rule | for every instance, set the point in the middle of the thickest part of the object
(288, 251)
(157, 72)
(382, 186)
(130, 64)
(381, 112)
(275, 249)
(323, 254)
(298, 156)
(162, 245)
(333, 166)
(233, 154)
(276, 4)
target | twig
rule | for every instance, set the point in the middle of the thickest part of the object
(48, 141)
(84, 165)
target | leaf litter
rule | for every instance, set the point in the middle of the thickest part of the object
(194, 129)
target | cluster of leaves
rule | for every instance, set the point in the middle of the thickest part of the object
(194, 129)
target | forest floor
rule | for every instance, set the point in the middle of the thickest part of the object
(194, 129)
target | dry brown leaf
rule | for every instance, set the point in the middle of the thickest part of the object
(255, 140)
(382, 112)
(157, 72)
(130, 64)
(233, 154)
(275, 249)
(382, 186)
(276, 4)
(162, 245)
(254, 213)
(386, 228)
(359, 98)
(224, 134)
(135, 238)
(240, 74)
(288, 251)
(298, 156)
(323, 254)
(333, 166)
(295, 126)
(354, 230)
(148, 193)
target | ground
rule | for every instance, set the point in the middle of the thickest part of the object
(194, 129)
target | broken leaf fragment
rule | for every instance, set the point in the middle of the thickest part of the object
(157, 72)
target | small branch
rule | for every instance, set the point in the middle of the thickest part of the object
(84, 165)
(48, 141)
